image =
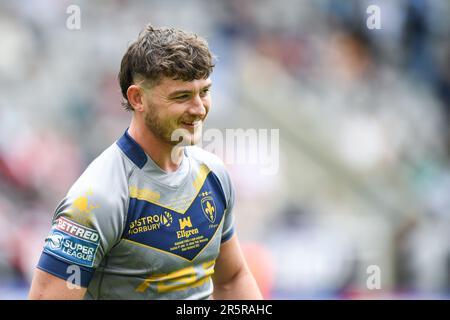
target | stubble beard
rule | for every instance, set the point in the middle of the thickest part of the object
(165, 131)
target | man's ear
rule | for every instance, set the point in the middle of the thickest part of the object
(136, 98)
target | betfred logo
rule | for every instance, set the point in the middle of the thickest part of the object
(76, 230)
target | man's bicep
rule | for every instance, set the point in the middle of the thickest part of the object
(229, 262)
(46, 286)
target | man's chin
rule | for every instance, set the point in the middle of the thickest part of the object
(188, 140)
(185, 137)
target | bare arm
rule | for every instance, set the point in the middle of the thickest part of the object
(232, 277)
(46, 286)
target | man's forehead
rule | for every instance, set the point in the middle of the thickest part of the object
(169, 85)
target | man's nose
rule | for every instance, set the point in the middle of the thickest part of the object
(197, 107)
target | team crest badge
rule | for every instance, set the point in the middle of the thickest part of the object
(209, 208)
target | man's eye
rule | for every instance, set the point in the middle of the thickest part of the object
(182, 97)
(204, 92)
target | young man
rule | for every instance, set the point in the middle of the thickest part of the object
(151, 218)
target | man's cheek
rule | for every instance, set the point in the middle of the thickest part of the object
(207, 106)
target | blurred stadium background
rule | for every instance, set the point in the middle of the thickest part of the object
(364, 176)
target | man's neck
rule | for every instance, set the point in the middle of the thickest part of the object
(159, 151)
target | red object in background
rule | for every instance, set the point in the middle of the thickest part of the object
(7, 175)
(260, 262)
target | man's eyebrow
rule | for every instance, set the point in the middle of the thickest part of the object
(178, 92)
(175, 93)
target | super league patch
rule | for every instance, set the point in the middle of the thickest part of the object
(72, 242)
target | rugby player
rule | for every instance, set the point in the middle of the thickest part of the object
(151, 218)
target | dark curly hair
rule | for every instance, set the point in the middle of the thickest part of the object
(164, 52)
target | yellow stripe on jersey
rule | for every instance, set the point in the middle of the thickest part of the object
(201, 177)
(183, 279)
(144, 194)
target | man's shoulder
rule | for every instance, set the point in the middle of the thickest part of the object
(110, 158)
(106, 174)
(212, 161)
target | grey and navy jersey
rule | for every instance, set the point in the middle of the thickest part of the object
(137, 232)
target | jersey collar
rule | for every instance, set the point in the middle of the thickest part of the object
(138, 156)
(132, 150)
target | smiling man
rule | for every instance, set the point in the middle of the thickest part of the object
(151, 217)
